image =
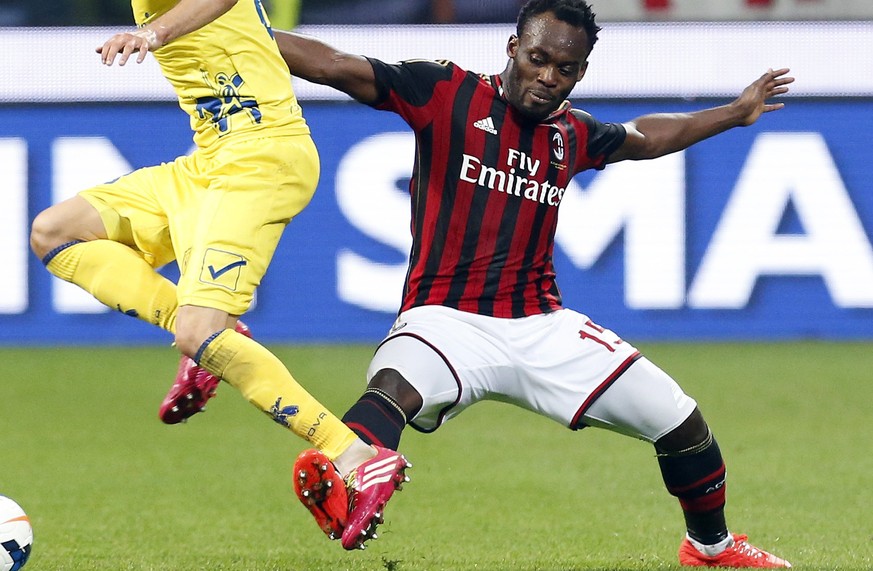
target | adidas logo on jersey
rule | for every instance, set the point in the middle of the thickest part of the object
(486, 124)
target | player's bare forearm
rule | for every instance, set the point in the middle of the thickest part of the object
(181, 19)
(187, 16)
(656, 135)
(313, 60)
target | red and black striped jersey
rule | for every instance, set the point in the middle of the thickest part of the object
(485, 188)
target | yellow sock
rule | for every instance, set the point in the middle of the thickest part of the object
(265, 382)
(119, 277)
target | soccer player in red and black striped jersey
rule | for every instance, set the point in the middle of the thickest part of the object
(481, 315)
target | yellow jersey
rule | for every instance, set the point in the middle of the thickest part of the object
(228, 75)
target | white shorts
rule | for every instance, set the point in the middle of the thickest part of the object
(559, 365)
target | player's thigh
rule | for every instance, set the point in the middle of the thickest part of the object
(448, 360)
(134, 212)
(644, 402)
(255, 189)
(72, 220)
(565, 362)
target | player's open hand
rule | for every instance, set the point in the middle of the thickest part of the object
(126, 43)
(752, 102)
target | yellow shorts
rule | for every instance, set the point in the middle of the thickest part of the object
(219, 213)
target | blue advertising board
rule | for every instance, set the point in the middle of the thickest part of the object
(759, 233)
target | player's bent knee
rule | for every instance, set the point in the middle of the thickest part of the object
(399, 389)
(197, 327)
(73, 220)
(189, 340)
(45, 234)
(690, 433)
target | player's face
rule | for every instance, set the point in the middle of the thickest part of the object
(545, 63)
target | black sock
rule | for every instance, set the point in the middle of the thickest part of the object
(377, 419)
(697, 477)
(708, 528)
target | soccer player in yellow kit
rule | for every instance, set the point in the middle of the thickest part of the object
(219, 213)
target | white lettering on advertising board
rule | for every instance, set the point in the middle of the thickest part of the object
(644, 202)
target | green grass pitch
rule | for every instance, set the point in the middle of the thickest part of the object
(108, 487)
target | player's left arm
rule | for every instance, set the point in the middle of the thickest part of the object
(181, 19)
(652, 136)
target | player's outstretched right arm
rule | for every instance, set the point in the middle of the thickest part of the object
(315, 61)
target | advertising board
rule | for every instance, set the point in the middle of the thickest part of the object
(760, 233)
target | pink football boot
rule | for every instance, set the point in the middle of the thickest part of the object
(369, 488)
(193, 386)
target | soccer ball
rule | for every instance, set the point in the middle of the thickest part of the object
(16, 535)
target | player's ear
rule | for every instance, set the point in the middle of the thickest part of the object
(582, 69)
(512, 46)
